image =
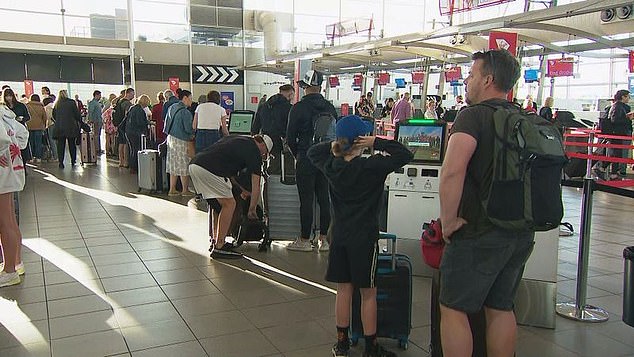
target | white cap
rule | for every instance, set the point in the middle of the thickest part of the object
(268, 142)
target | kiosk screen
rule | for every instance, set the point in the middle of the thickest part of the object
(240, 122)
(426, 142)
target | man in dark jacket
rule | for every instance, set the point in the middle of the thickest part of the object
(620, 116)
(310, 181)
(67, 119)
(272, 120)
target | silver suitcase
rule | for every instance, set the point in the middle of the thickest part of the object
(88, 148)
(151, 174)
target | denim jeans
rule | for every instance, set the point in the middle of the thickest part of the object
(35, 140)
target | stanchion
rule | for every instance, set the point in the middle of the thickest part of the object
(579, 310)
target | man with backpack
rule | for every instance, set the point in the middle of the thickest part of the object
(118, 116)
(272, 119)
(310, 121)
(495, 153)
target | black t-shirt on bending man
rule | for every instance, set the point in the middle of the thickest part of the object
(477, 121)
(231, 155)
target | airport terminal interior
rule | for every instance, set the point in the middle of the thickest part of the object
(116, 268)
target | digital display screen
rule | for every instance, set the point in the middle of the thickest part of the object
(426, 142)
(240, 123)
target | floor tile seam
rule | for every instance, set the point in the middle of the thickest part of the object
(48, 315)
(167, 345)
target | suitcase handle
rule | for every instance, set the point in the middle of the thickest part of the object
(143, 142)
(391, 237)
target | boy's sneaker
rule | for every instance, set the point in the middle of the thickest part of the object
(19, 268)
(8, 279)
(300, 245)
(339, 350)
(324, 246)
(379, 351)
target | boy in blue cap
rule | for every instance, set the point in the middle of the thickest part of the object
(356, 188)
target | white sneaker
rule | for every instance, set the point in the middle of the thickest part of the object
(300, 245)
(8, 279)
(324, 246)
(19, 268)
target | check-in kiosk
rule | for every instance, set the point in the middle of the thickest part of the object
(240, 121)
(413, 198)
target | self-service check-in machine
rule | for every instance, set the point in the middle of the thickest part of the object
(413, 199)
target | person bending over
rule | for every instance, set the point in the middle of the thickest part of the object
(356, 188)
(211, 171)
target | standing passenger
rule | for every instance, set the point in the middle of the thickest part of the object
(178, 127)
(210, 121)
(67, 118)
(95, 109)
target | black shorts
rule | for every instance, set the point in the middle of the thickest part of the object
(484, 270)
(353, 264)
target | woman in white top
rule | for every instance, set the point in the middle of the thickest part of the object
(209, 119)
(13, 137)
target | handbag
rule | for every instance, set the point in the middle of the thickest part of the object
(432, 244)
(191, 149)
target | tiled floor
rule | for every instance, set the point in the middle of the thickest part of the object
(114, 273)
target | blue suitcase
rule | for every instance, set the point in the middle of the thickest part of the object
(393, 298)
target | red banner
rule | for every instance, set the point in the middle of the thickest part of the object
(631, 61)
(560, 67)
(174, 83)
(28, 87)
(453, 74)
(357, 80)
(503, 40)
(254, 100)
(418, 77)
(384, 78)
(334, 81)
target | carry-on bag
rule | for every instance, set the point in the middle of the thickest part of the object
(393, 298)
(88, 147)
(477, 322)
(151, 174)
(288, 166)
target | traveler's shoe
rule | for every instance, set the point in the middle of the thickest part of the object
(340, 350)
(225, 252)
(19, 268)
(61, 165)
(379, 351)
(173, 193)
(300, 245)
(8, 279)
(324, 246)
(187, 194)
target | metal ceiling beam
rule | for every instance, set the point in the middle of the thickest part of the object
(572, 31)
(435, 46)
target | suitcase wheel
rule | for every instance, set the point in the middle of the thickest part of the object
(403, 344)
(139, 190)
(354, 341)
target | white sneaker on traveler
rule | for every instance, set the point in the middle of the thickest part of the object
(8, 279)
(300, 245)
(324, 246)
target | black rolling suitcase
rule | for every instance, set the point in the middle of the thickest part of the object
(393, 298)
(477, 321)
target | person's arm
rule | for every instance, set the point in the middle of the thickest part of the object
(187, 122)
(223, 125)
(27, 115)
(399, 155)
(319, 154)
(255, 196)
(21, 136)
(76, 114)
(292, 130)
(452, 175)
(195, 122)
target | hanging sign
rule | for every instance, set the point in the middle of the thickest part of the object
(560, 67)
(384, 78)
(334, 81)
(28, 87)
(631, 61)
(503, 40)
(174, 83)
(453, 74)
(418, 77)
(357, 82)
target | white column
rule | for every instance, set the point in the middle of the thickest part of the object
(131, 42)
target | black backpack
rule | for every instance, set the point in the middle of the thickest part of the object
(605, 124)
(323, 127)
(528, 158)
(118, 114)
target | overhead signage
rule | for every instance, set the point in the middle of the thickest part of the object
(28, 87)
(560, 67)
(453, 74)
(333, 81)
(217, 74)
(174, 83)
(631, 61)
(357, 82)
(503, 40)
(227, 101)
(418, 77)
(384, 78)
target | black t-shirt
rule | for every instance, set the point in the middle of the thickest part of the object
(477, 121)
(231, 155)
(618, 116)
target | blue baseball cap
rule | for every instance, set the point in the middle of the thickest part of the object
(351, 127)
